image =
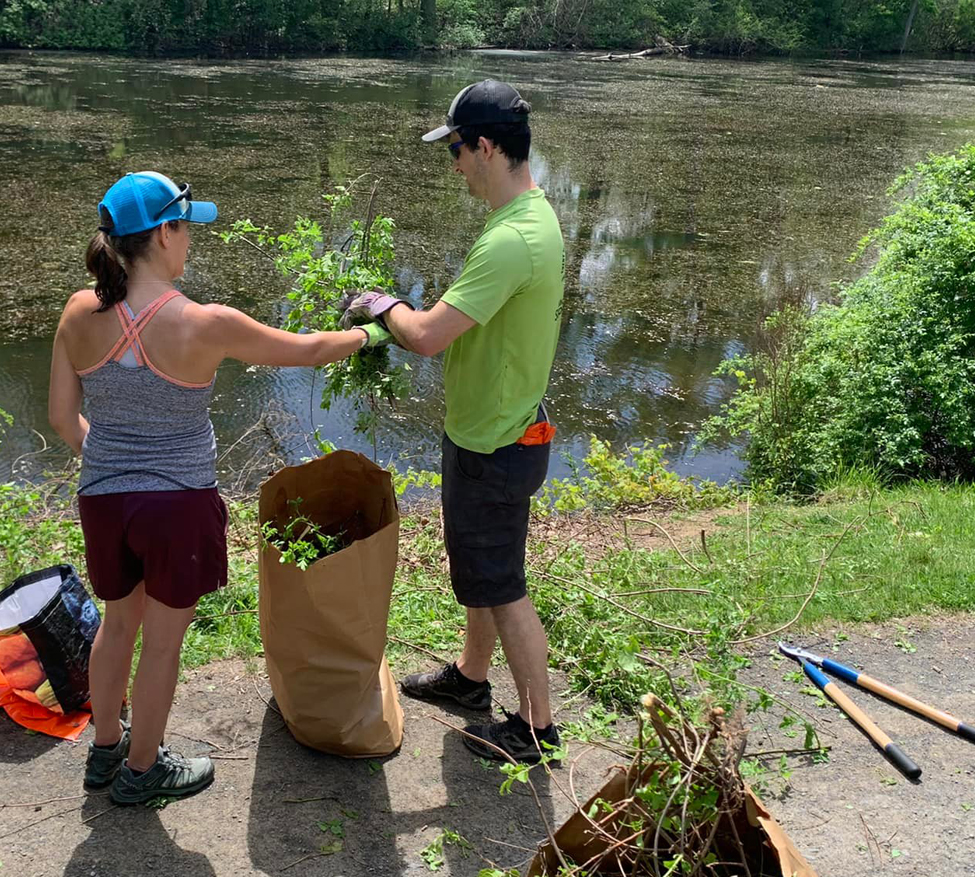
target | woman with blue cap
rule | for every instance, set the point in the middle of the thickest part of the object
(142, 358)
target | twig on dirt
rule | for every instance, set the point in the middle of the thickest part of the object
(21, 828)
(672, 542)
(93, 818)
(231, 757)
(741, 848)
(405, 642)
(801, 751)
(812, 593)
(704, 545)
(513, 846)
(819, 824)
(42, 803)
(198, 740)
(305, 859)
(309, 800)
(870, 836)
(530, 784)
(268, 703)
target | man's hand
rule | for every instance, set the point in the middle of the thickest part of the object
(367, 306)
(376, 335)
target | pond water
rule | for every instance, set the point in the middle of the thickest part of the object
(694, 195)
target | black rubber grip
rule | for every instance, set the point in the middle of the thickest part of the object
(902, 762)
(966, 731)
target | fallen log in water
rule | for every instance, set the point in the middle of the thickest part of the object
(661, 47)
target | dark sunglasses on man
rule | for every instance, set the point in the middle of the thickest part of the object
(184, 193)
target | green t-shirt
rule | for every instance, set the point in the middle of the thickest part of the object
(496, 373)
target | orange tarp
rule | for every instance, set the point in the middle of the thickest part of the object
(41, 719)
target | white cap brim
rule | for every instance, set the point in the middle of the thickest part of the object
(439, 133)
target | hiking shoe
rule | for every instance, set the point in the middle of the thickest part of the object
(448, 683)
(103, 764)
(513, 736)
(172, 776)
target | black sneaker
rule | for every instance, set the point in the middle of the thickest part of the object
(514, 736)
(448, 683)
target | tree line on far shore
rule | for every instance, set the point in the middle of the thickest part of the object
(275, 27)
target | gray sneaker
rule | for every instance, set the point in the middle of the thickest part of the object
(103, 764)
(172, 776)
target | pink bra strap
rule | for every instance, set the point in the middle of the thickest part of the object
(132, 329)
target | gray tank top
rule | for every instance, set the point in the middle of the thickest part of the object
(148, 431)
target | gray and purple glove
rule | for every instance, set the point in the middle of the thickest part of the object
(361, 307)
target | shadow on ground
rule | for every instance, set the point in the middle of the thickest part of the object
(299, 794)
(133, 846)
(18, 745)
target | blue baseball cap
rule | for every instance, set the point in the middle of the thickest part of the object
(143, 200)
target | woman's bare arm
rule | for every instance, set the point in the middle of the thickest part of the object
(64, 397)
(238, 336)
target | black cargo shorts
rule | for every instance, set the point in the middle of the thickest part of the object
(486, 499)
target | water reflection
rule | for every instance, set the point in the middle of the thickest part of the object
(695, 197)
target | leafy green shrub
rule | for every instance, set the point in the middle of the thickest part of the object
(36, 530)
(884, 379)
(636, 477)
(460, 24)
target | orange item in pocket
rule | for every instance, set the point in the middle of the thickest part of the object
(540, 433)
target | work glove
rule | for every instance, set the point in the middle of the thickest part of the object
(358, 307)
(376, 335)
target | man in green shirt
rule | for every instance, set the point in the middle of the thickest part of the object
(499, 325)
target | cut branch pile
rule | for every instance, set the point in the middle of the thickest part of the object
(679, 808)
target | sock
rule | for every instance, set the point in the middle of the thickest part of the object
(526, 729)
(110, 746)
(465, 682)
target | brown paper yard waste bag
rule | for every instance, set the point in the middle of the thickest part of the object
(324, 628)
(577, 839)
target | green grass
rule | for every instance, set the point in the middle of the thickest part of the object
(890, 553)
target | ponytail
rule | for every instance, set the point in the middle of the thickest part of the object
(105, 263)
(108, 255)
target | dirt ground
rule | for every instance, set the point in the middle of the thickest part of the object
(854, 815)
(857, 815)
(250, 820)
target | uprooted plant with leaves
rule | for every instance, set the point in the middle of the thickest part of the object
(326, 260)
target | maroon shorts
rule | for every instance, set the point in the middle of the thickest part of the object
(174, 540)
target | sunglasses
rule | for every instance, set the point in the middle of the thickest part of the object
(184, 193)
(455, 149)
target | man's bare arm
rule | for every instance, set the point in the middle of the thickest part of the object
(427, 332)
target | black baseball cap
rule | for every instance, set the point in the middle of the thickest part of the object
(484, 103)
